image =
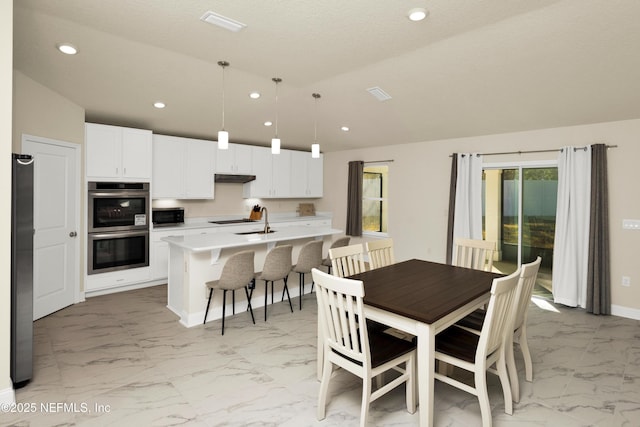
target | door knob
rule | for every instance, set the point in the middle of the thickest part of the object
(73, 234)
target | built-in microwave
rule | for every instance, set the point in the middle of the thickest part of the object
(165, 217)
(118, 206)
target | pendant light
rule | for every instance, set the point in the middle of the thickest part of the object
(315, 147)
(275, 142)
(223, 135)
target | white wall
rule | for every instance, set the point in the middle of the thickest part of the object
(6, 86)
(419, 190)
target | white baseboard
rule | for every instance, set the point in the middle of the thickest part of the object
(7, 396)
(631, 313)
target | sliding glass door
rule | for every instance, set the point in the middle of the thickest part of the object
(519, 213)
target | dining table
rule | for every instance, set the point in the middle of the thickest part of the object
(423, 298)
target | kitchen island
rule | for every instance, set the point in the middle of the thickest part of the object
(196, 259)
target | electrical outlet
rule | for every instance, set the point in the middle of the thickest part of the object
(626, 281)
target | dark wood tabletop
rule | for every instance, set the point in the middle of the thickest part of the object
(422, 290)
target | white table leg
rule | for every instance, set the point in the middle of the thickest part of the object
(426, 367)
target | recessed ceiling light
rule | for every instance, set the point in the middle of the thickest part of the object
(222, 21)
(254, 95)
(268, 123)
(159, 104)
(417, 14)
(345, 128)
(67, 48)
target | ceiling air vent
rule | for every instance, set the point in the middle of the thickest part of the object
(222, 21)
(378, 93)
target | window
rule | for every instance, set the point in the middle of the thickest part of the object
(375, 193)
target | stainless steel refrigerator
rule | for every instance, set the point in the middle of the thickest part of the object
(21, 269)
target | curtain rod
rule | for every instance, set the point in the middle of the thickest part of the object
(532, 151)
(379, 161)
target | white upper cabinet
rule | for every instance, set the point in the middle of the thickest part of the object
(182, 168)
(306, 174)
(117, 153)
(273, 174)
(235, 160)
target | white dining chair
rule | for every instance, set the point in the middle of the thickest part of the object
(347, 260)
(380, 253)
(475, 321)
(471, 253)
(478, 353)
(350, 345)
(338, 243)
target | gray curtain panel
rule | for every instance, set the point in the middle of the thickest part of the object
(599, 273)
(452, 206)
(354, 198)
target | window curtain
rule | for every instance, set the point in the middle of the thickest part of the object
(354, 198)
(571, 245)
(452, 206)
(467, 221)
(599, 275)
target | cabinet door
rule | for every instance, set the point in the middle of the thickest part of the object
(261, 186)
(160, 261)
(315, 176)
(281, 174)
(299, 173)
(103, 145)
(244, 159)
(168, 167)
(199, 169)
(136, 153)
(225, 160)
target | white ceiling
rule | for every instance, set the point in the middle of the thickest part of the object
(471, 68)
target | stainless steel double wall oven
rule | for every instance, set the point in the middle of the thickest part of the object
(118, 226)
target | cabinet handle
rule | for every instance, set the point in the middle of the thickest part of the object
(73, 234)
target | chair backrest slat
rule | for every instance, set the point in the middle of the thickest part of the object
(380, 253)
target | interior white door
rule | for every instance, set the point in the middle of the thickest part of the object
(56, 223)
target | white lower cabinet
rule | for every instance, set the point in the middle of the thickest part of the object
(159, 253)
(116, 279)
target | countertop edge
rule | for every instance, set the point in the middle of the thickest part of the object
(208, 242)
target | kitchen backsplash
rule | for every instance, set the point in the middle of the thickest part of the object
(228, 201)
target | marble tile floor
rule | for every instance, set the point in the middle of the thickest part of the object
(124, 360)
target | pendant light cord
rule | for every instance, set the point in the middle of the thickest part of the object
(276, 80)
(223, 64)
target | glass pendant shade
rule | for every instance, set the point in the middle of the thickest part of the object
(275, 146)
(223, 140)
(315, 151)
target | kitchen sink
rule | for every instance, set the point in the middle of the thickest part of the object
(232, 221)
(255, 232)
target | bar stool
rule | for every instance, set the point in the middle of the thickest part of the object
(343, 241)
(277, 266)
(237, 273)
(310, 257)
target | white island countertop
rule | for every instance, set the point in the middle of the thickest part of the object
(217, 241)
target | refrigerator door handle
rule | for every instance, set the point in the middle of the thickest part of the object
(28, 162)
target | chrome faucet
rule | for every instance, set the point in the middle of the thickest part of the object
(266, 219)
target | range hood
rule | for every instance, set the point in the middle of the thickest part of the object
(234, 179)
